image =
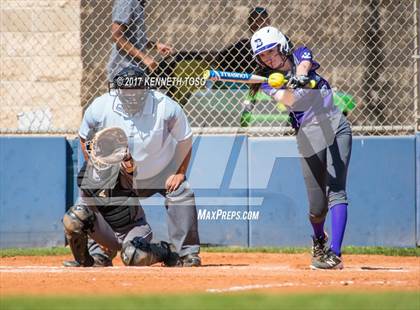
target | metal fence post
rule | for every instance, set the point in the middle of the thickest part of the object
(416, 56)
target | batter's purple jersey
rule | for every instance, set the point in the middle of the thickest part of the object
(309, 102)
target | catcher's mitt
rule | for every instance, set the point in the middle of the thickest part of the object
(108, 147)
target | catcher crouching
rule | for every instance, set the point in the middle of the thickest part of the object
(108, 217)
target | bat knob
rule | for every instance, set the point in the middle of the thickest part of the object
(276, 80)
(206, 74)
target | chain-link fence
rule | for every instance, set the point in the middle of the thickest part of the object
(56, 54)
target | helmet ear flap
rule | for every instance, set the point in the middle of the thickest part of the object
(286, 50)
(290, 44)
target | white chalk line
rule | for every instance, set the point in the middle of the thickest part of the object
(238, 288)
(252, 287)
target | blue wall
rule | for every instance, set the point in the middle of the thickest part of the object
(381, 189)
(418, 188)
(228, 173)
(32, 191)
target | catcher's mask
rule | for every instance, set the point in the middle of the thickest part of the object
(107, 147)
(131, 87)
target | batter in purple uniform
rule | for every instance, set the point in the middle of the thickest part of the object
(324, 137)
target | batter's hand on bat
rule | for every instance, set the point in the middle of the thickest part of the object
(174, 181)
(298, 81)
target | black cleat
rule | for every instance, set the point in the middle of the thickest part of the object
(101, 260)
(191, 260)
(96, 260)
(72, 263)
(329, 261)
(319, 246)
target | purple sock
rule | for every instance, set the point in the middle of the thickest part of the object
(318, 229)
(338, 221)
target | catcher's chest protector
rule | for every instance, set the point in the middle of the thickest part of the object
(115, 203)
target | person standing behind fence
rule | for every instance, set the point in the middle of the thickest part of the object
(238, 57)
(130, 40)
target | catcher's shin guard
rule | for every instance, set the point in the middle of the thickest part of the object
(77, 220)
(139, 252)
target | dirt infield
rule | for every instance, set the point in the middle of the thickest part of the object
(221, 272)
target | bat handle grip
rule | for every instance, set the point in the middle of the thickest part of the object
(310, 84)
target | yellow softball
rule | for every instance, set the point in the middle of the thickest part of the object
(276, 80)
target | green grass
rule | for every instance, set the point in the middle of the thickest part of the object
(395, 300)
(34, 251)
(238, 249)
(230, 249)
(378, 250)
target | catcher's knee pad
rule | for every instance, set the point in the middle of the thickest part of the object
(139, 252)
(182, 196)
(77, 220)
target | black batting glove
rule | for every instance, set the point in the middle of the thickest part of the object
(297, 81)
